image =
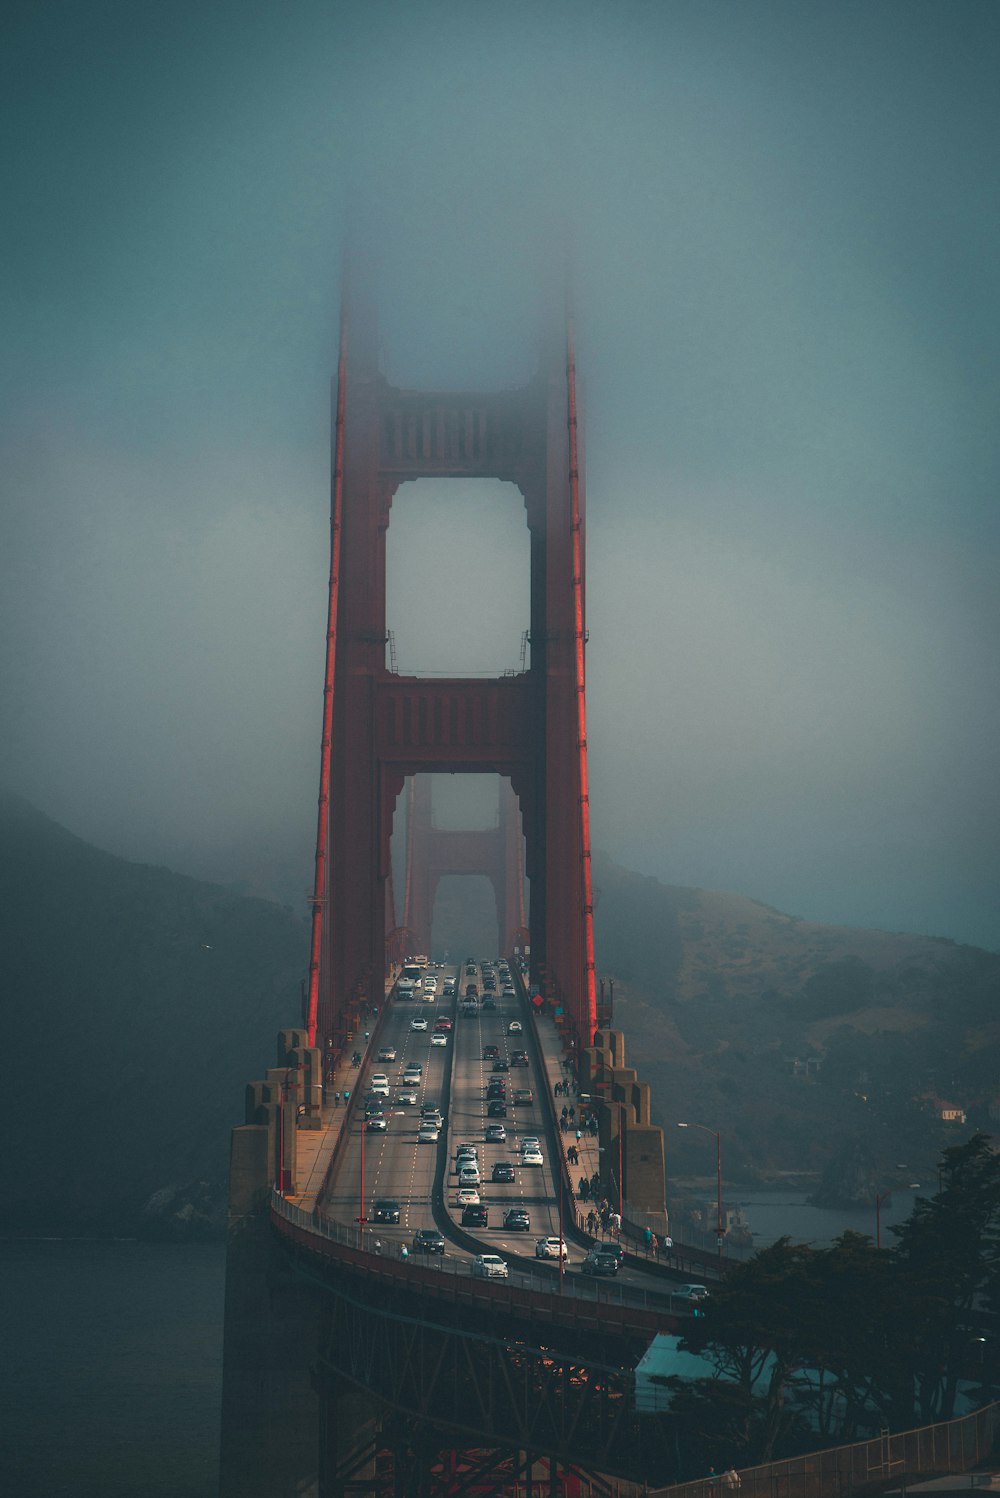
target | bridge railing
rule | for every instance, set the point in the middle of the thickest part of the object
(953, 1446)
(360, 1238)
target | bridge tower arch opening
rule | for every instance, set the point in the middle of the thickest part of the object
(458, 568)
(381, 726)
(462, 869)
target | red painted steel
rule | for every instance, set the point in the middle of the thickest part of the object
(323, 818)
(385, 727)
(590, 985)
(433, 852)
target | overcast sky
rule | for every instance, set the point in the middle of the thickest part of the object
(786, 233)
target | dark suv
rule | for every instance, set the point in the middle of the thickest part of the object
(385, 1210)
(475, 1217)
(428, 1241)
(517, 1220)
(599, 1262)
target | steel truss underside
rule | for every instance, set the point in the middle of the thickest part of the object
(480, 1395)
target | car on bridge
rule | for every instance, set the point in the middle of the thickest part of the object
(468, 1196)
(407, 1097)
(515, 1027)
(489, 1005)
(495, 1133)
(429, 1132)
(516, 1220)
(412, 1073)
(379, 1085)
(430, 984)
(444, 1023)
(502, 1171)
(470, 1150)
(387, 1053)
(477, 1216)
(501, 1065)
(523, 1097)
(519, 1058)
(376, 1124)
(385, 1209)
(418, 1024)
(599, 1262)
(489, 1267)
(532, 1157)
(496, 1108)
(490, 1052)
(439, 1039)
(428, 1241)
(690, 1293)
(468, 1173)
(551, 1248)
(530, 1142)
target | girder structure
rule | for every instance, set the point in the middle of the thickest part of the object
(484, 1391)
(432, 853)
(379, 727)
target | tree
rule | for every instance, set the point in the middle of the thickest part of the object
(754, 1329)
(948, 1263)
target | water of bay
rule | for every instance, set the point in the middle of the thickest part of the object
(777, 1214)
(111, 1379)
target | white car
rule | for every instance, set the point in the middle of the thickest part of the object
(489, 1267)
(387, 1053)
(468, 1174)
(551, 1248)
(379, 1085)
(514, 1028)
(430, 984)
(407, 1097)
(468, 1196)
(464, 1152)
(413, 1075)
(530, 1142)
(532, 1157)
(418, 1024)
(429, 1133)
(439, 1039)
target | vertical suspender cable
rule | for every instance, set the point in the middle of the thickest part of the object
(411, 801)
(319, 899)
(589, 982)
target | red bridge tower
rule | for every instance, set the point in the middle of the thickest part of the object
(379, 727)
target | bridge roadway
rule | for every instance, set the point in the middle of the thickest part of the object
(533, 1364)
(422, 1176)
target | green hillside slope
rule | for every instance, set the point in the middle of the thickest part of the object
(137, 1004)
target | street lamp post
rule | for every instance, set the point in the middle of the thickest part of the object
(720, 1230)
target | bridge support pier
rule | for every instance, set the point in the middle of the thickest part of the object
(269, 1407)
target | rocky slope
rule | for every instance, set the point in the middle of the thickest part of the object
(813, 1048)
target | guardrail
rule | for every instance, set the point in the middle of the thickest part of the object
(355, 1243)
(884, 1462)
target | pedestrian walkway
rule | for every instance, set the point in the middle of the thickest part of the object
(558, 1072)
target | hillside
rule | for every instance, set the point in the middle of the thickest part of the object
(138, 1003)
(810, 1047)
